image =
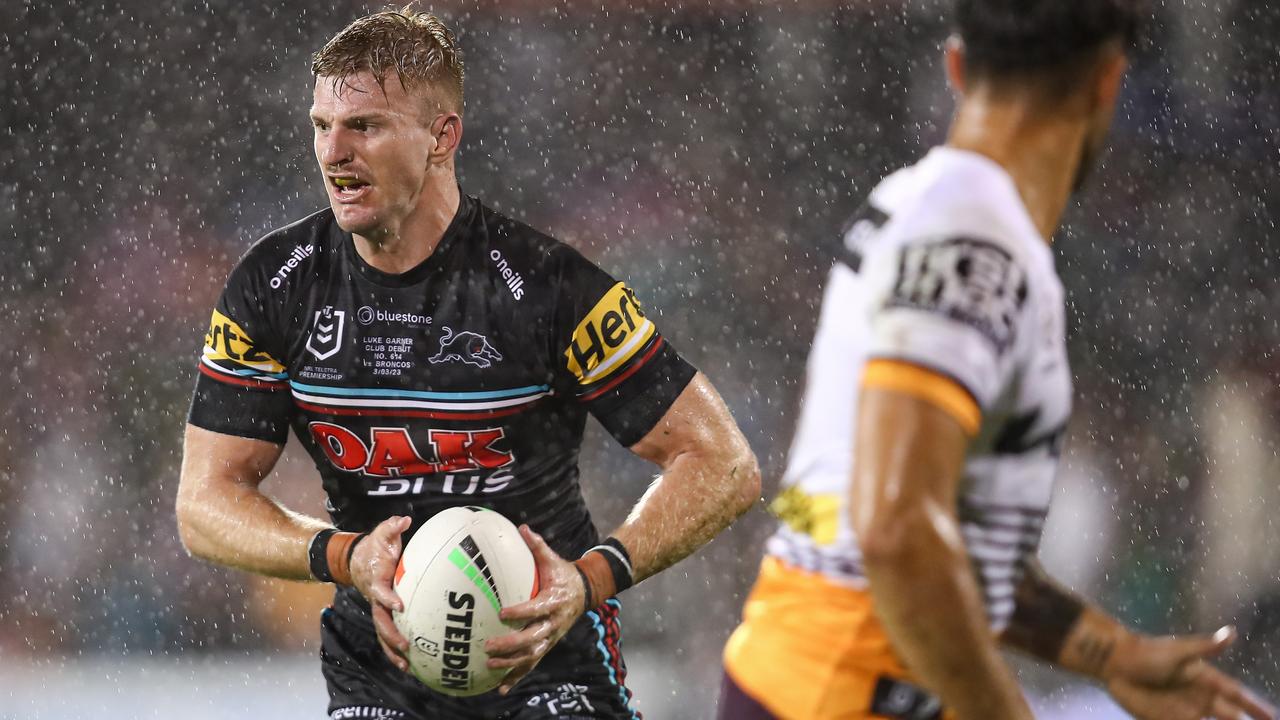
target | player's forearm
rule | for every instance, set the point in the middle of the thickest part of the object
(709, 478)
(224, 518)
(929, 602)
(1058, 626)
(698, 494)
(244, 529)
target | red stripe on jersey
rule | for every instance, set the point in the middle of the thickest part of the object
(629, 372)
(612, 636)
(390, 412)
(243, 382)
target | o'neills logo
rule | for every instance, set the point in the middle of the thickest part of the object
(514, 282)
(455, 674)
(300, 253)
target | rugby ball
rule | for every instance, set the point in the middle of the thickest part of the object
(457, 572)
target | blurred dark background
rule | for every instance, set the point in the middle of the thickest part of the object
(708, 154)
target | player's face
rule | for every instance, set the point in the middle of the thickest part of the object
(373, 148)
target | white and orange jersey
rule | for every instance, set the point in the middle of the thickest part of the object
(944, 289)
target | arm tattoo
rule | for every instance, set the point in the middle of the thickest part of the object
(1094, 652)
(1044, 616)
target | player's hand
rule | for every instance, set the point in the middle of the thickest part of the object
(1170, 678)
(373, 569)
(545, 618)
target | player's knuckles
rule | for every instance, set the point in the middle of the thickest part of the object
(498, 663)
(515, 613)
(505, 647)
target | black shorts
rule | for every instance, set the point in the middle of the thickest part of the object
(581, 678)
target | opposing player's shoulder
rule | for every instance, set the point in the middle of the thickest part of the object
(285, 258)
(960, 246)
(954, 193)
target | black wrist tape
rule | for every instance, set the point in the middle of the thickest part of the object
(586, 589)
(619, 563)
(317, 554)
(351, 549)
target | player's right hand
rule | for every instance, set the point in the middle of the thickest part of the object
(373, 569)
(1170, 678)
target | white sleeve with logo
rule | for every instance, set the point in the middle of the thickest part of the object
(954, 305)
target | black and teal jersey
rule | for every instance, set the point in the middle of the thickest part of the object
(464, 381)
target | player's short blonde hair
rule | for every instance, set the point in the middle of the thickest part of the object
(415, 45)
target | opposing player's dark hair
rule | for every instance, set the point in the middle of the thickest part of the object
(1016, 37)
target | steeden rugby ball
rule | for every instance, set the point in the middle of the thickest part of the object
(457, 572)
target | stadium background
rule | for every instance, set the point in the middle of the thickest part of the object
(707, 153)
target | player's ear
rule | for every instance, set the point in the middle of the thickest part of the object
(1108, 77)
(446, 130)
(953, 55)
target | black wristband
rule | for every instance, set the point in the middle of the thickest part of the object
(587, 604)
(317, 554)
(619, 563)
(351, 549)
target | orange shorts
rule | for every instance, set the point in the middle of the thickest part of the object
(811, 649)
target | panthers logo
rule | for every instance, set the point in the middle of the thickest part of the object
(468, 347)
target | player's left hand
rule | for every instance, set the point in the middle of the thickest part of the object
(545, 618)
(1170, 678)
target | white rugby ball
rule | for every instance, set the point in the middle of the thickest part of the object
(457, 572)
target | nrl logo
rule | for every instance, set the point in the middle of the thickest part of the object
(468, 347)
(326, 333)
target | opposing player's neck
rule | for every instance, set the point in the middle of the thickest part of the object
(401, 248)
(1041, 153)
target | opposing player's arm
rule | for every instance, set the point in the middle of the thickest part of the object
(910, 450)
(1155, 678)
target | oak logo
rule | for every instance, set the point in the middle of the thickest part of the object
(326, 333)
(392, 453)
(608, 336)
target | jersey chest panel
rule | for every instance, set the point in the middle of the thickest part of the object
(429, 396)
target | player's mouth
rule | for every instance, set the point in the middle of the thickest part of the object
(348, 188)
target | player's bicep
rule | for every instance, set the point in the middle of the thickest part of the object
(212, 458)
(697, 422)
(908, 461)
(217, 470)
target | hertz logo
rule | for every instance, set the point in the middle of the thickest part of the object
(227, 341)
(608, 336)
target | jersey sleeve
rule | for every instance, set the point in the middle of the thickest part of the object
(242, 387)
(954, 308)
(609, 355)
